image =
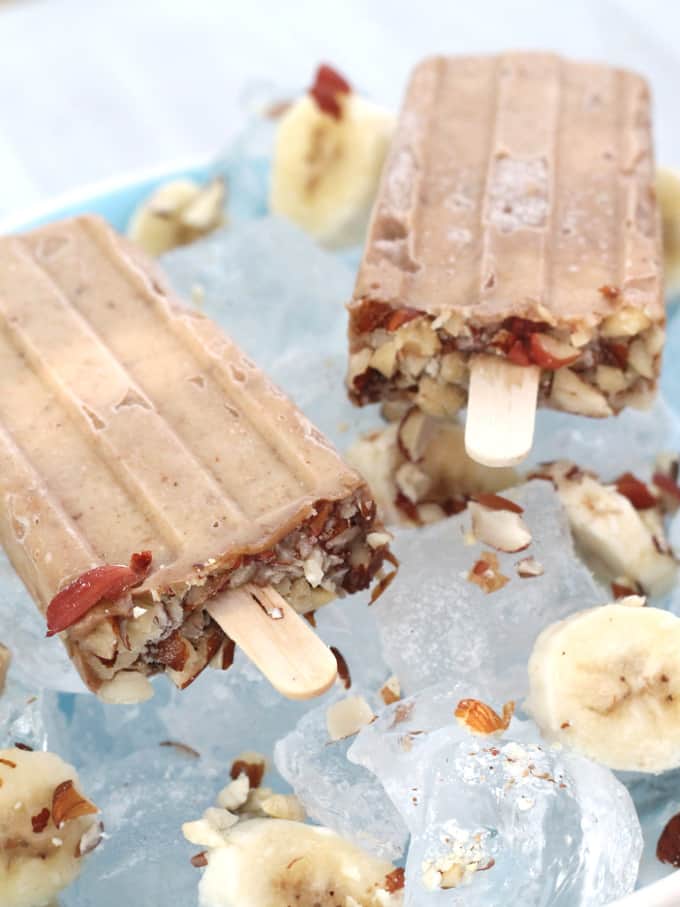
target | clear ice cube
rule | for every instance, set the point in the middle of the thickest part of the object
(628, 442)
(335, 792)
(38, 661)
(271, 266)
(502, 819)
(435, 623)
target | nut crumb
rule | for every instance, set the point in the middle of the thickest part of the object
(480, 718)
(181, 748)
(395, 880)
(529, 567)
(346, 717)
(252, 764)
(390, 691)
(68, 803)
(343, 669)
(668, 847)
(486, 574)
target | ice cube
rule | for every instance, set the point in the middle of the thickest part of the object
(628, 442)
(38, 661)
(144, 798)
(335, 792)
(245, 165)
(24, 717)
(269, 266)
(501, 819)
(435, 623)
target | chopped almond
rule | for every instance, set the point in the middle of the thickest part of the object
(68, 803)
(480, 718)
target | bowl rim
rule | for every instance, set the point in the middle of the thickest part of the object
(80, 196)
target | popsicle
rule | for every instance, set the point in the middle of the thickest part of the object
(156, 487)
(514, 254)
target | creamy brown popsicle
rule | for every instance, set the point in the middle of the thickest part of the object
(516, 219)
(133, 431)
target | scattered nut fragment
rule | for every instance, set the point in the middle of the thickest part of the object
(211, 830)
(395, 880)
(68, 803)
(183, 748)
(529, 567)
(623, 587)
(344, 675)
(253, 764)
(284, 806)
(235, 794)
(91, 839)
(390, 691)
(665, 481)
(346, 717)
(5, 658)
(480, 718)
(457, 867)
(504, 529)
(486, 574)
(668, 847)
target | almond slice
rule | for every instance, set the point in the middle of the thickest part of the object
(68, 803)
(480, 718)
(504, 530)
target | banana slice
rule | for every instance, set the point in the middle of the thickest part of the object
(46, 827)
(326, 168)
(607, 682)
(611, 534)
(177, 213)
(668, 194)
(267, 862)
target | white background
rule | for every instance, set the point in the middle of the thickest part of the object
(89, 89)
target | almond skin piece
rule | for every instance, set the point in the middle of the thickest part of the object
(480, 718)
(68, 803)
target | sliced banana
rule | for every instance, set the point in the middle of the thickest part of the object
(326, 170)
(612, 535)
(607, 682)
(46, 827)
(178, 212)
(668, 194)
(268, 862)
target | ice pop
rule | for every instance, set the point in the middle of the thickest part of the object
(515, 247)
(148, 468)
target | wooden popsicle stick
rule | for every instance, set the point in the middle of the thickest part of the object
(499, 429)
(276, 639)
